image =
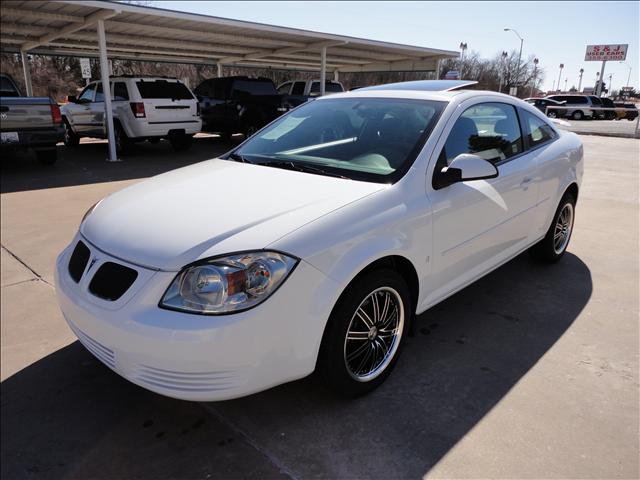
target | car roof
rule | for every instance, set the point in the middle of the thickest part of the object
(424, 85)
(443, 96)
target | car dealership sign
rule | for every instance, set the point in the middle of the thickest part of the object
(599, 53)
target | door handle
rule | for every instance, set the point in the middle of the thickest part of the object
(525, 182)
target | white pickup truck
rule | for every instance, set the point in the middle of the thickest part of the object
(299, 91)
(144, 108)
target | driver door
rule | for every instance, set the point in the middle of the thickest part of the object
(81, 110)
(479, 224)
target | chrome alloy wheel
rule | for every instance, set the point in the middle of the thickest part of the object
(374, 334)
(562, 230)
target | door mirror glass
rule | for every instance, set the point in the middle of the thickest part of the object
(466, 167)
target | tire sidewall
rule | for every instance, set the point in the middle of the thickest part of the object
(547, 245)
(331, 362)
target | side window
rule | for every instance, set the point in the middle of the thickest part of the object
(298, 88)
(99, 93)
(538, 131)
(120, 91)
(489, 130)
(87, 93)
(284, 88)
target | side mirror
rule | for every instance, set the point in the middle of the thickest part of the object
(466, 167)
(72, 98)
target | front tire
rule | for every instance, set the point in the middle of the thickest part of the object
(577, 115)
(554, 245)
(70, 138)
(365, 333)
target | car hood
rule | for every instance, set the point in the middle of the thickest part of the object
(212, 208)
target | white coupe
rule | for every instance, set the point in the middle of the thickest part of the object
(315, 243)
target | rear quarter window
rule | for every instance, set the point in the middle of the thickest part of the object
(163, 89)
(248, 87)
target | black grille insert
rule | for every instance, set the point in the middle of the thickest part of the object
(78, 261)
(112, 280)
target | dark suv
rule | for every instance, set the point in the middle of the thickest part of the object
(231, 105)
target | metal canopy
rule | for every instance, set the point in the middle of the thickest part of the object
(152, 34)
(94, 28)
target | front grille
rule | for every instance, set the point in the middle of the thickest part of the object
(112, 280)
(78, 261)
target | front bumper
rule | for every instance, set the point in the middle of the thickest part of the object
(197, 357)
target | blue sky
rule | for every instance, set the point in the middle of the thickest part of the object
(556, 32)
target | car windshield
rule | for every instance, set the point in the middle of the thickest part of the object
(370, 139)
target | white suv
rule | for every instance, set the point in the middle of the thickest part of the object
(144, 108)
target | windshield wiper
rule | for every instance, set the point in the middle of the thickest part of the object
(236, 157)
(301, 167)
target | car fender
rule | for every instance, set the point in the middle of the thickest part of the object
(386, 223)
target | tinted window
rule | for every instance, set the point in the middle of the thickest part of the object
(120, 91)
(87, 93)
(328, 87)
(7, 88)
(368, 139)
(576, 100)
(253, 87)
(538, 131)
(298, 88)
(284, 88)
(99, 93)
(163, 89)
(596, 100)
(489, 130)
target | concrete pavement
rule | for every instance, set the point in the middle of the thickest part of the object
(532, 372)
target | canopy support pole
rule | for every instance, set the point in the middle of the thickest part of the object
(336, 76)
(27, 74)
(219, 65)
(106, 90)
(323, 70)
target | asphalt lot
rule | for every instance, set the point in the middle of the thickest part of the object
(532, 372)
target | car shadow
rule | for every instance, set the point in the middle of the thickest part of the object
(66, 416)
(86, 163)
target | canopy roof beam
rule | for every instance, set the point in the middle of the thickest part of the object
(89, 20)
(282, 51)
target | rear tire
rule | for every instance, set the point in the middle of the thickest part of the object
(362, 342)
(123, 143)
(554, 245)
(70, 138)
(48, 156)
(181, 143)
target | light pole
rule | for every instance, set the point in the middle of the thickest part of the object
(535, 75)
(463, 47)
(503, 57)
(597, 81)
(610, 87)
(628, 76)
(519, 55)
(580, 80)
(565, 84)
(560, 74)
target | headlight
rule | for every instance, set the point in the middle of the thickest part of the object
(228, 284)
